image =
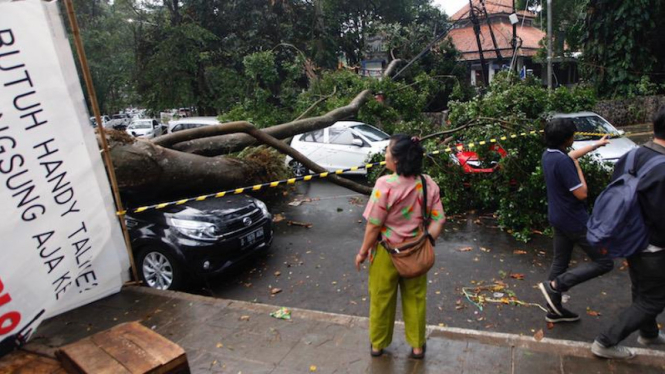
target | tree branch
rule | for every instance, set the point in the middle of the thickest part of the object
(215, 140)
(248, 128)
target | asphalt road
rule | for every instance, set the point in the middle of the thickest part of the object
(313, 269)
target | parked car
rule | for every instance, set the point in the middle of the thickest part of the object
(191, 123)
(105, 120)
(343, 145)
(119, 121)
(144, 128)
(472, 164)
(197, 239)
(591, 122)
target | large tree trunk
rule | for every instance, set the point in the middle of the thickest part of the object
(217, 140)
(148, 170)
(192, 161)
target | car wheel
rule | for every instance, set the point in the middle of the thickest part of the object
(299, 170)
(159, 269)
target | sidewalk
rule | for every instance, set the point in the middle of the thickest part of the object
(225, 336)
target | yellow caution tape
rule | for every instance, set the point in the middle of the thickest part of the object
(274, 184)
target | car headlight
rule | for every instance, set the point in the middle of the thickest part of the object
(263, 207)
(195, 229)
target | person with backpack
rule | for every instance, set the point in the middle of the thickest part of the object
(567, 213)
(647, 264)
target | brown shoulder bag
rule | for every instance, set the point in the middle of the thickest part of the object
(414, 257)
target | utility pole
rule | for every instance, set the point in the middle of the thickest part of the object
(476, 30)
(513, 42)
(549, 45)
(499, 58)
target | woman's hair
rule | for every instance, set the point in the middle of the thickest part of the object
(408, 154)
(558, 131)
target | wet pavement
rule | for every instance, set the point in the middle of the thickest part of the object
(227, 336)
(312, 268)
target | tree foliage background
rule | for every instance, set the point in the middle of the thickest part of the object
(622, 47)
(250, 59)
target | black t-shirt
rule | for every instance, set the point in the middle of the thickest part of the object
(650, 190)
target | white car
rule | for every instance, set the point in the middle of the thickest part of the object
(591, 122)
(191, 123)
(343, 145)
(144, 128)
(105, 120)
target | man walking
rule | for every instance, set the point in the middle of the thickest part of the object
(567, 213)
(647, 267)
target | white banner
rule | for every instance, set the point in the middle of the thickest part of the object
(62, 246)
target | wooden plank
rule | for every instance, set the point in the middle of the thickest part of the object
(117, 345)
(125, 348)
(29, 363)
(85, 356)
(169, 354)
(154, 344)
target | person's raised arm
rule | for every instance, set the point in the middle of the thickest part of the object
(581, 192)
(577, 153)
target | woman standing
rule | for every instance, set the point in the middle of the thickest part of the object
(395, 212)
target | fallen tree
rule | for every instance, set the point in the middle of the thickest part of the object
(200, 160)
(195, 161)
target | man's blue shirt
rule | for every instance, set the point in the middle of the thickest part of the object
(564, 210)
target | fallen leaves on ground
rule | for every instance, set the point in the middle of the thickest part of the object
(550, 325)
(275, 291)
(519, 252)
(244, 318)
(220, 345)
(486, 250)
(624, 265)
(465, 249)
(357, 201)
(312, 368)
(278, 273)
(278, 218)
(517, 276)
(592, 313)
(539, 335)
(301, 224)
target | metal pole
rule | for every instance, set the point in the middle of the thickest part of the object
(87, 77)
(549, 45)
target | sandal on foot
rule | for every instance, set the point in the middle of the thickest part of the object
(374, 353)
(418, 356)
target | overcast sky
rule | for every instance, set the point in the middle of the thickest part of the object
(450, 6)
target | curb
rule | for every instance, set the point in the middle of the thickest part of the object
(562, 347)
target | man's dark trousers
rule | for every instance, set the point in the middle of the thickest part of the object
(647, 276)
(563, 250)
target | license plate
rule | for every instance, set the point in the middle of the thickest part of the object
(251, 238)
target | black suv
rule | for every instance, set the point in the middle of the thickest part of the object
(197, 239)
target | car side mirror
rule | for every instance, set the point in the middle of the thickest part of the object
(357, 142)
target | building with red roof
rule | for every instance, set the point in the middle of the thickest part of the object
(494, 16)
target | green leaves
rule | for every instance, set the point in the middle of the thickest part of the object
(621, 44)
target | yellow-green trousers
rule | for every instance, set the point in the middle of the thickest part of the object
(383, 283)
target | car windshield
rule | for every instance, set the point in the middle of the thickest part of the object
(141, 125)
(371, 133)
(592, 124)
